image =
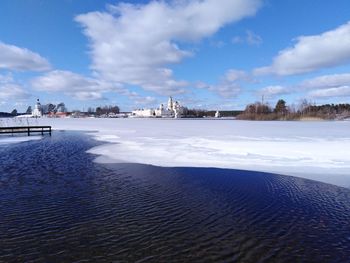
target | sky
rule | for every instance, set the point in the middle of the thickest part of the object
(207, 54)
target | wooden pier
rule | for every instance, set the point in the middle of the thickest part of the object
(26, 129)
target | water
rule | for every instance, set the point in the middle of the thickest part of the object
(56, 205)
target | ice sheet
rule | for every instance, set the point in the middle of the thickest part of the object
(314, 150)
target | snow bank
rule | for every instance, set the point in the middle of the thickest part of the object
(314, 150)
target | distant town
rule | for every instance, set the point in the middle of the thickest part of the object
(173, 109)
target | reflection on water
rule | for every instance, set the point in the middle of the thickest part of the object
(56, 205)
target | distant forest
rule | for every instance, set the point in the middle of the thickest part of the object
(306, 110)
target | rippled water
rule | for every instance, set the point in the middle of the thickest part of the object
(56, 205)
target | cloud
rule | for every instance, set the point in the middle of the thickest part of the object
(217, 44)
(229, 85)
(273, 91)
(327, 86)
(9, 90)
(72, 84)
(327, 81)
(136, 43)
(225, 89)
(311, 53)
(343, 91)
(12, 91)
(148, 100)
(235, 75)
(6, 78)
(138, 99)
(16, 58)
(250, 38)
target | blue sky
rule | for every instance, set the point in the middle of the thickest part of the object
(212, 54)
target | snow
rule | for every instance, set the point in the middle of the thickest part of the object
(313, 150)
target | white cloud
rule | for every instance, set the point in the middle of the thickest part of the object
(343, 91)
(327, 86)
(225, 89)
(72, 84)
(148, 100)
(253, 39)
(272, 91)
(16, 58)
(135, 44)
(235, 75)
(6, 78)
(229, 85)
(327, 81)
(11, 91)
(250, 38)
(311, 53)
(138, 99)
(218, 43)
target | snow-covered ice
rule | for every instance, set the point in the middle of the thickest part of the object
(314, 150)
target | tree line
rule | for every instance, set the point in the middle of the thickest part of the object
(281, 111)
(104, 110)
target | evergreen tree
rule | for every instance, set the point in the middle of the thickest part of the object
(281, 107)
(29, 110)
(14, 112)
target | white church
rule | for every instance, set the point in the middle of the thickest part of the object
(173, 110)
(37, 112)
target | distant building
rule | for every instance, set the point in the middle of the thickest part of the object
(57, 114)
(48, 110)
(217, 114)
(37, 112)
(173, 110)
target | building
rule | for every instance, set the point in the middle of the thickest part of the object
(37, 112)
(173, 110)
(57, 115)
(217, 114)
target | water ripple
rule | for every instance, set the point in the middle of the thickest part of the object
(56, 205)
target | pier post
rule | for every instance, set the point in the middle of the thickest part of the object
(28, 131)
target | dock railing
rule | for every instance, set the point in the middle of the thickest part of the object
(26, 129)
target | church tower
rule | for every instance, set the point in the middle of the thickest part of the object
(170, 104)
(37, 110)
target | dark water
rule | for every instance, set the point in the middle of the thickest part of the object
(56, 205)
